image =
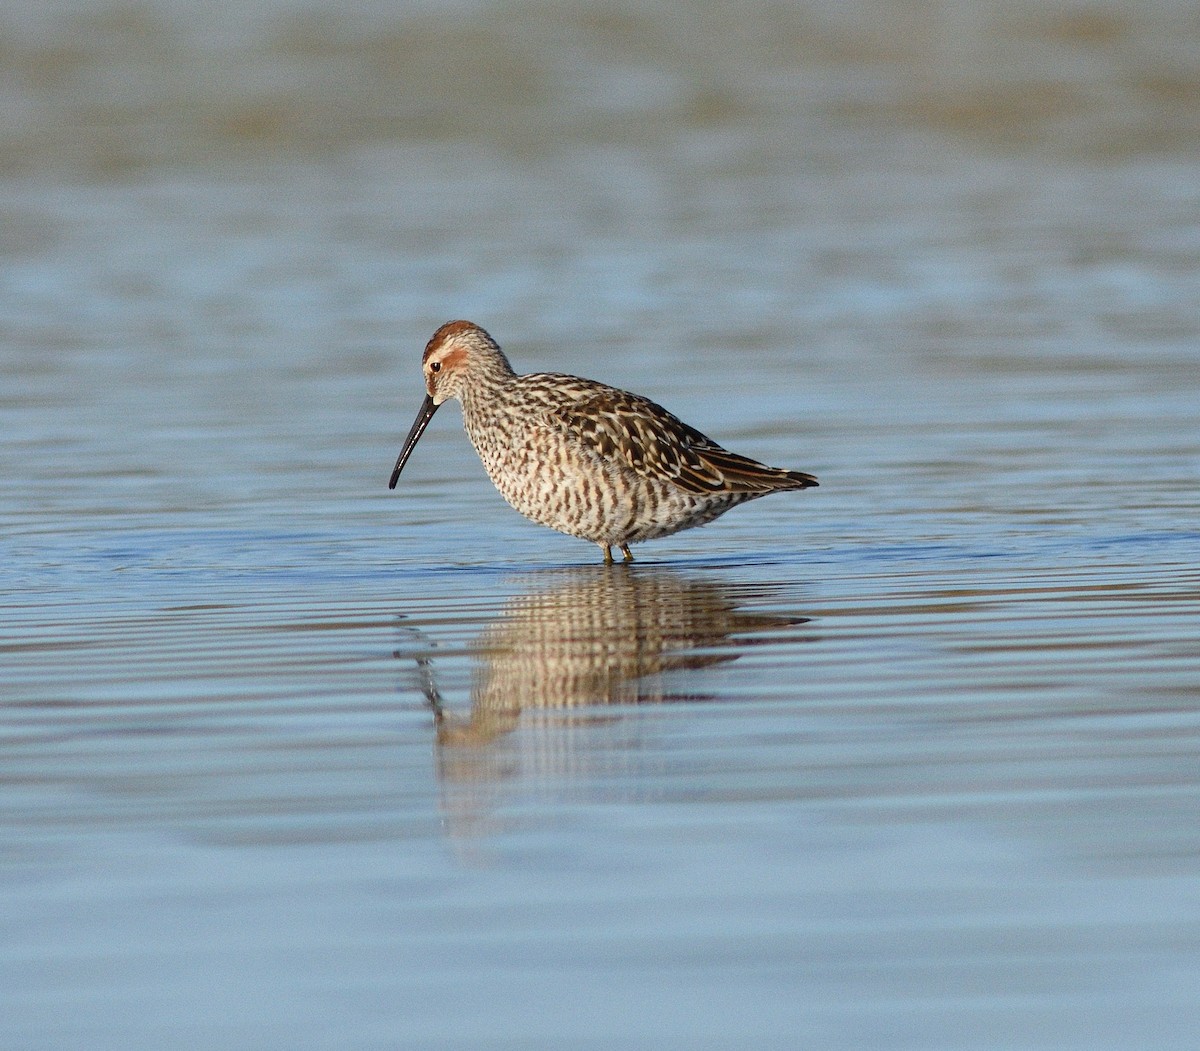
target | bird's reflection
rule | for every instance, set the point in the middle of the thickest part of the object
(559, 651)
(597, 636)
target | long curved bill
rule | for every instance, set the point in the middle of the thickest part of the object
(428, 408)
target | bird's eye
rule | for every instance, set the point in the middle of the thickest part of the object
(435, 366)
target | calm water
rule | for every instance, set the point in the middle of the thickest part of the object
(908, 761)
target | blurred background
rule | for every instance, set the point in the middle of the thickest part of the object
(106, 90)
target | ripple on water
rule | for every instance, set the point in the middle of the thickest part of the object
(286, 760)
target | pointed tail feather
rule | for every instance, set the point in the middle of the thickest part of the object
(800, 480)
(740, 473)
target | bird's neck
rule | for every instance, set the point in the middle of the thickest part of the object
(489, 381)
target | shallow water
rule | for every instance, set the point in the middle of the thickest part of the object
(906, 761)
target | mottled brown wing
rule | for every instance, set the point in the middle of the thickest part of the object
(617, 425)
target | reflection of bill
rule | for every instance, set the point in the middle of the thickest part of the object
(598, 637)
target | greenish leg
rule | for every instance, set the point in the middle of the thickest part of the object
(627, 555)
(607, 554)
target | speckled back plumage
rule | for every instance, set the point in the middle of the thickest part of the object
(584, 458)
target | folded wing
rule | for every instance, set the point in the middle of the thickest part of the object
(625, 428)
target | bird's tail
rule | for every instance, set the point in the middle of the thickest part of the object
(740, 473)
(799, 480)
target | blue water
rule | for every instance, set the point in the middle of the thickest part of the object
(288, 760)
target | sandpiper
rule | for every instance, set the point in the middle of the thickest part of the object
(581, 457)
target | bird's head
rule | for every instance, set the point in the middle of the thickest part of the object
(458, 355)
(459, 358)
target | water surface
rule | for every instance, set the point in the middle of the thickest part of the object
(906, 761)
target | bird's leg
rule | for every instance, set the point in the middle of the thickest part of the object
(627, 555)
(607, 549)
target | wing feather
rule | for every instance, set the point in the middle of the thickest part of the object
(615, 425)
